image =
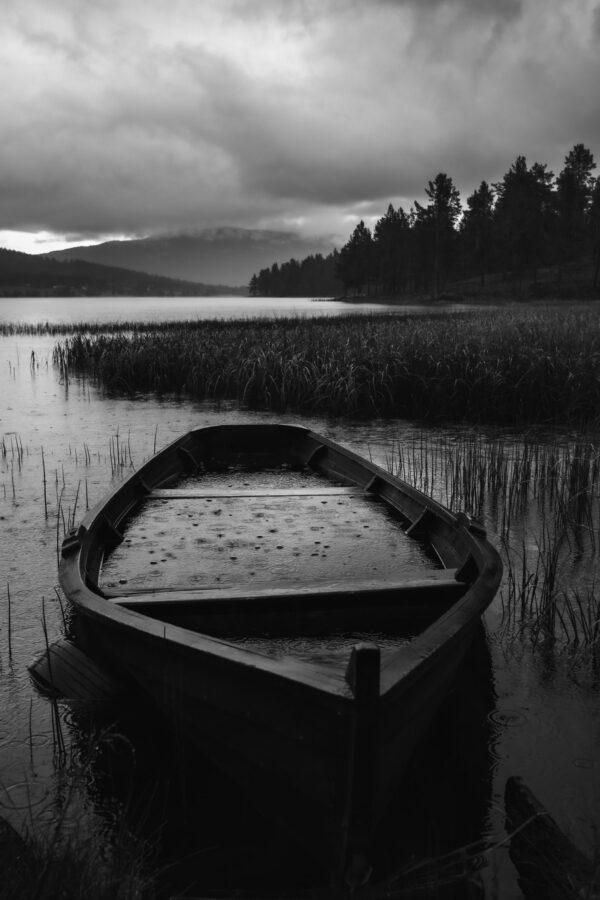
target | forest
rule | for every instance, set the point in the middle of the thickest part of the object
(30, 275)
(533, 232)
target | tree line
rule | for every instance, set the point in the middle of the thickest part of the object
(529, 221)
(312, 276)
(30, 275)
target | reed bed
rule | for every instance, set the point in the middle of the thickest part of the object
(40, 329)
(503, 366)
(507, 477)
(542, 500)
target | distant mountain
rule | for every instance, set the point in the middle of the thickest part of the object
(216, 256)
(23, 274)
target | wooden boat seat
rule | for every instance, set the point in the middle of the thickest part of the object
(435, 586)
(226, 494)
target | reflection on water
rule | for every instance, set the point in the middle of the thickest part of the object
(32, 310)
(543, 723)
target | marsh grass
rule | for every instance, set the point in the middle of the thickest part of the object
(120, 454)
(503, 366)
(542, 499)
(79, 855)
(509, 476)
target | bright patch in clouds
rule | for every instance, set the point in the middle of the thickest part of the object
(42, 241)
(134, 117)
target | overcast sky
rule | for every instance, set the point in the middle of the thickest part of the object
(135, 117)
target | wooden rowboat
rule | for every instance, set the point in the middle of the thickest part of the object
(296, 611)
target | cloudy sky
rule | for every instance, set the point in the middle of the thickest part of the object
(137, 117)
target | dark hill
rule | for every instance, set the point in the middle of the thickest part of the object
(24, 274)
(217, 256)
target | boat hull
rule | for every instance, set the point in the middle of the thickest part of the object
(322, 752)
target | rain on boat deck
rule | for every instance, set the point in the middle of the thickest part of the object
(216, 531)
(225, 534)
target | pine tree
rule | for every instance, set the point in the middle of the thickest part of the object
(594, 219)
(436, 224)
(391, 239)
(524, 217)
(355, 263)
(477, 230)
(574, 187)
(253, 287)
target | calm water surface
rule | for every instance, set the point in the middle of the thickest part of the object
(161, 309)
(541, 725)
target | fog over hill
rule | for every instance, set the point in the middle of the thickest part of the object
(215, 256)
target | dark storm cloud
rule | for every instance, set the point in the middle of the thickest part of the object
(495, 8)
(141, 116)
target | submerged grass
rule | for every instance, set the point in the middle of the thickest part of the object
(79, 855)
(503, 366)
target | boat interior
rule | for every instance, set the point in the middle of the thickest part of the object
(279, 559)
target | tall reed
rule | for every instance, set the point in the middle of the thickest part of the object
(542, 499)
(76, 856)
(503, 366)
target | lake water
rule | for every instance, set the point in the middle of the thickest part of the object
(538, 721)
(161, 309)
(32, 310)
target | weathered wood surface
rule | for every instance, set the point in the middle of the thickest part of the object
(550, 866)
(228, 493)
(434, 583)
(63, 669)
(314, 622)
(362, 675)
(214, 534)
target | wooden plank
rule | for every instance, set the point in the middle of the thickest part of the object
(65, 670)
(549, 865)
(436, 581)
(224, 494)
(363, 676)
(260, 540)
